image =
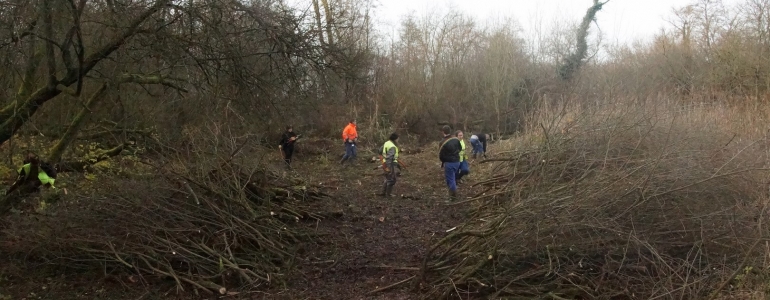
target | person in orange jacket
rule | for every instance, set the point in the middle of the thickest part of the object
(349, 136)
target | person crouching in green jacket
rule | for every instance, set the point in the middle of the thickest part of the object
(46, 174)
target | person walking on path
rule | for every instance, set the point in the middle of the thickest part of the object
(349, 136)
(287, 145)
(479, 144)
(389, 164)
(449, 154)
(464, 166)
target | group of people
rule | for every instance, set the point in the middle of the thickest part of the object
(452, 154)
(289, 138)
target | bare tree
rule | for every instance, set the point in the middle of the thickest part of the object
(67, 67)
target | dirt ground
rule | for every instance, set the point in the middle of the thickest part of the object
(377, 241)
(371, 242)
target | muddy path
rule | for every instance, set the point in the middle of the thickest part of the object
(374, 242)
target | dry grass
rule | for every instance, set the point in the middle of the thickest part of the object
(622, 201)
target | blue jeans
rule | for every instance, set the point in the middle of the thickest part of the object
(464, 169)
(350, 152)
(478, 148)
(450, 174)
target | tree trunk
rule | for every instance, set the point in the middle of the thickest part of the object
(16, 114)
(574, 61)
(329, 20)
(58, 149)
(318, 21)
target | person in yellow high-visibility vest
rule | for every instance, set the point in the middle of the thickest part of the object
(389, 155)
(465, 168)
(46, 174)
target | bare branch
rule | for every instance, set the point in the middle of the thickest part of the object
(67, 90)
(155, 79)
(93, 59)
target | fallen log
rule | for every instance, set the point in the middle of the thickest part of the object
(83, 164)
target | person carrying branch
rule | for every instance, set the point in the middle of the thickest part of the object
(287, 145)
(449, 154)
(390, 164)
(349, 136)
(46, 174)
(464, 166)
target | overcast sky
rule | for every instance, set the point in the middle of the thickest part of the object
(620, 20)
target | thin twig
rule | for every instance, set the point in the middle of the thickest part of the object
(382, 289)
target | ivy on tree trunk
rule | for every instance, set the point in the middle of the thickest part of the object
(575, 60)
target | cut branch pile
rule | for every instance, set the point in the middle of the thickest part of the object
(211, 231)
(619, 209)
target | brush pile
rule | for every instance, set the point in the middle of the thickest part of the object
(207, 227)
(618, 206)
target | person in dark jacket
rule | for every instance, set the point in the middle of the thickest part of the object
(287, 144)
(449, 154)
(479, 143)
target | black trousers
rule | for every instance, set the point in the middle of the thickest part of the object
(287, 152)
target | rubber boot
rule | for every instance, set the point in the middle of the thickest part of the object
(384, 190)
